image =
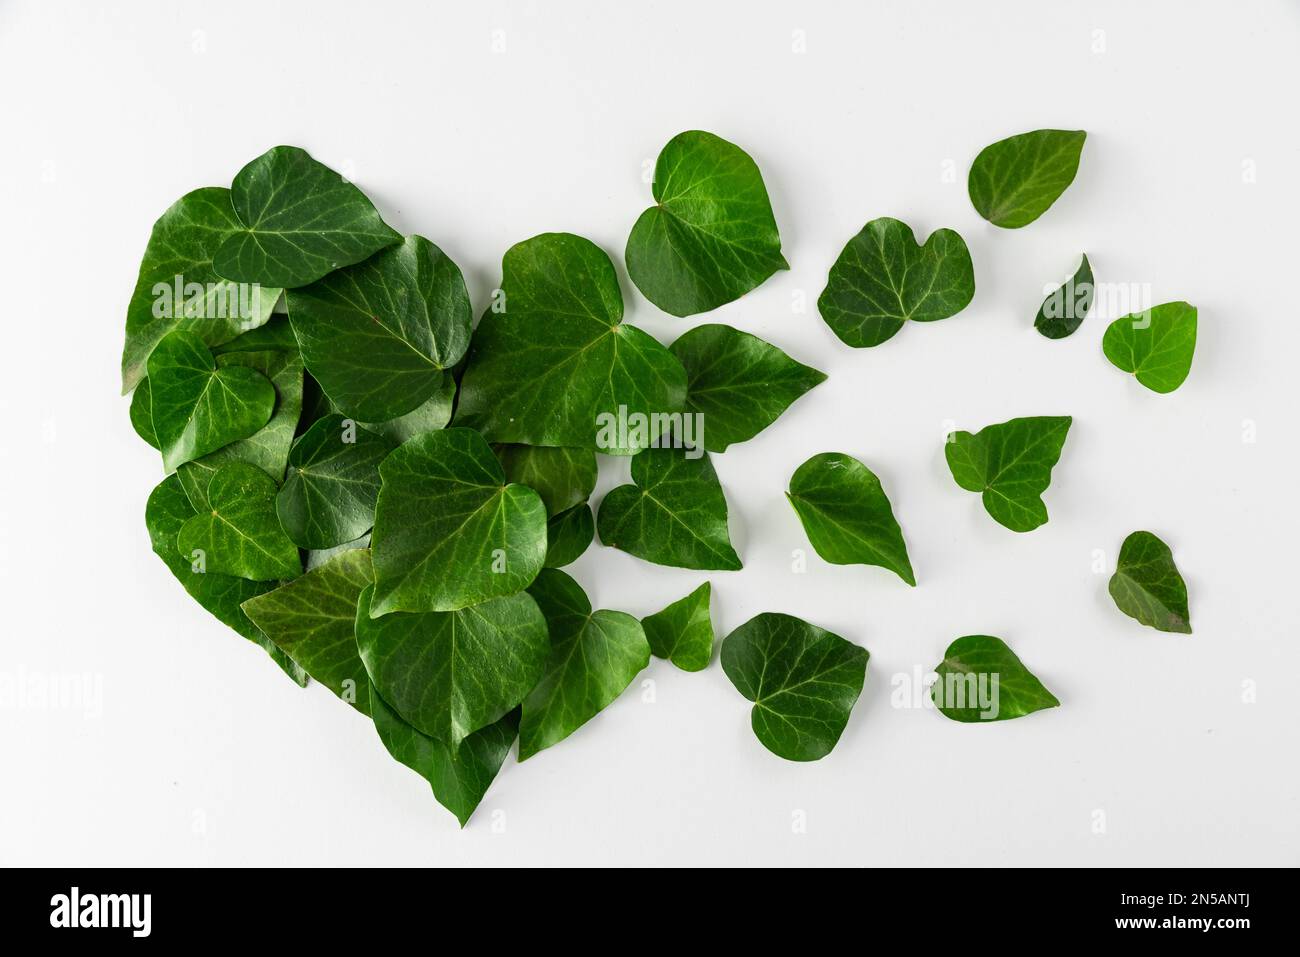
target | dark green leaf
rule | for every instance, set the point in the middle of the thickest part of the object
(276, 336)
(432, 414)
(981, 679)
(683, 632)
(1147, 586)
(1011, 464)
(1067, 307)
(1155, 345)
(568, 535)
(562, 477)
(1014, 181)
(241, 535)
(142, 413)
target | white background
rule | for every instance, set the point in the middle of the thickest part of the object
(203, 753)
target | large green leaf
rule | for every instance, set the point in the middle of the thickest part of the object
(562, 477)
(558, 361)
(883, 278)
(802, 679)
(738, 383)
(197, 406)
(449, 531)
(1011, 465)
(1147, 586)
(312, 620)
(1066, 307)
(1156, 345)
(568, 535)
(847, 515)
(981, 679)
(378, 335)
(1013, 181)
(179, 257)
(594, 656)
(683, 632)
(241, 535)
(673, 514)
(711, 236)
(300, 221)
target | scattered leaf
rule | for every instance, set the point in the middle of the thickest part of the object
(1014, 181)
(1156, 345)
(568, 535)
(562, 477)
(241, 535)
(1147, 586)
(432, 414)
(1066, 307)
(1011, 464)
(981, 679)
(683, 632)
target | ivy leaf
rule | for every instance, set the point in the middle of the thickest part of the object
(449, 531)
(275, 336)
(1147, 586)
(568, 535)
(241, 536)
(312, 620)
(432, 414)
(802, 679)
(594, 656)
(1065, 308)
(1156, 345)
(683, 632)
(883, 278)
(981, 679)
(548, 369)
(300, 220)
(562, 477)
(847, 515)
(737, 382)
(142, 413)
(197, 406)
(674, 514)
(328, 497)
(1011, 464)
(181, 247)
(711, 238)
(316, 557)
(378, 335)
(1014, 181)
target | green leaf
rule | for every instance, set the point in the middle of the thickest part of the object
(241, 535)
(674, 514)
(683, 632)
(847, 515)
(432, 414)
(142, 413)
(450, 673)
(738, 383)
(181, 247)
(1155, 345)
(197, 406)
(459, 776)
(449, 531)
(1147, 586)
(711, 238)
(312, 620)
(558, 362)
(316, 557)
(562, 477)
(594, 656)
(329, 495)
(276, 336)
(883, 278)
(1066, 307)
(568, 535)
(378, 335)
(981, 679)
(300, 221)
(802, 679)
(1011, 464)
(1014, 181)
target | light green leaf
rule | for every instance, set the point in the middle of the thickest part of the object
(1011, 465)
(981, 679)
(562, 477)
(1065, 308)
(1156, 345)
(1014, 181)
(568, 535)
(1147, 586)
(316, 557)
(683, 632)
(241, 535)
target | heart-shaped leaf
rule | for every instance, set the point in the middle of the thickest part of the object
(555, 362)
(300, 220)
(981, 679)
(711, 238)
(883, 278)
(568, 535)
(1065, 308)
(1156, 345)
(1011, 464)
(802, 679)
(594, 656)
(1013, 181)
(847, 515)
(674, 514)
(1147, 586)
(241, 535)
(432, 414)
(449, 531)
(737, 382)
(562, 477)
(378, 335)
(683, 632)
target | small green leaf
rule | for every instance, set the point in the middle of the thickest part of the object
(1155, 345)
(1066, 307)
(981, 679)
(1147, 586)
(737, 382)
(562, 477)
(241, 535)
(1014, 181)
(711, 238)
(884, 277)
(300, 219)
(674, 514)
(683, 632)
(568, 535)
(142, 413)
(1011, 464)
(276, 336)
(802, 679)
(433, 414)
(594, 656)
(847, 515)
